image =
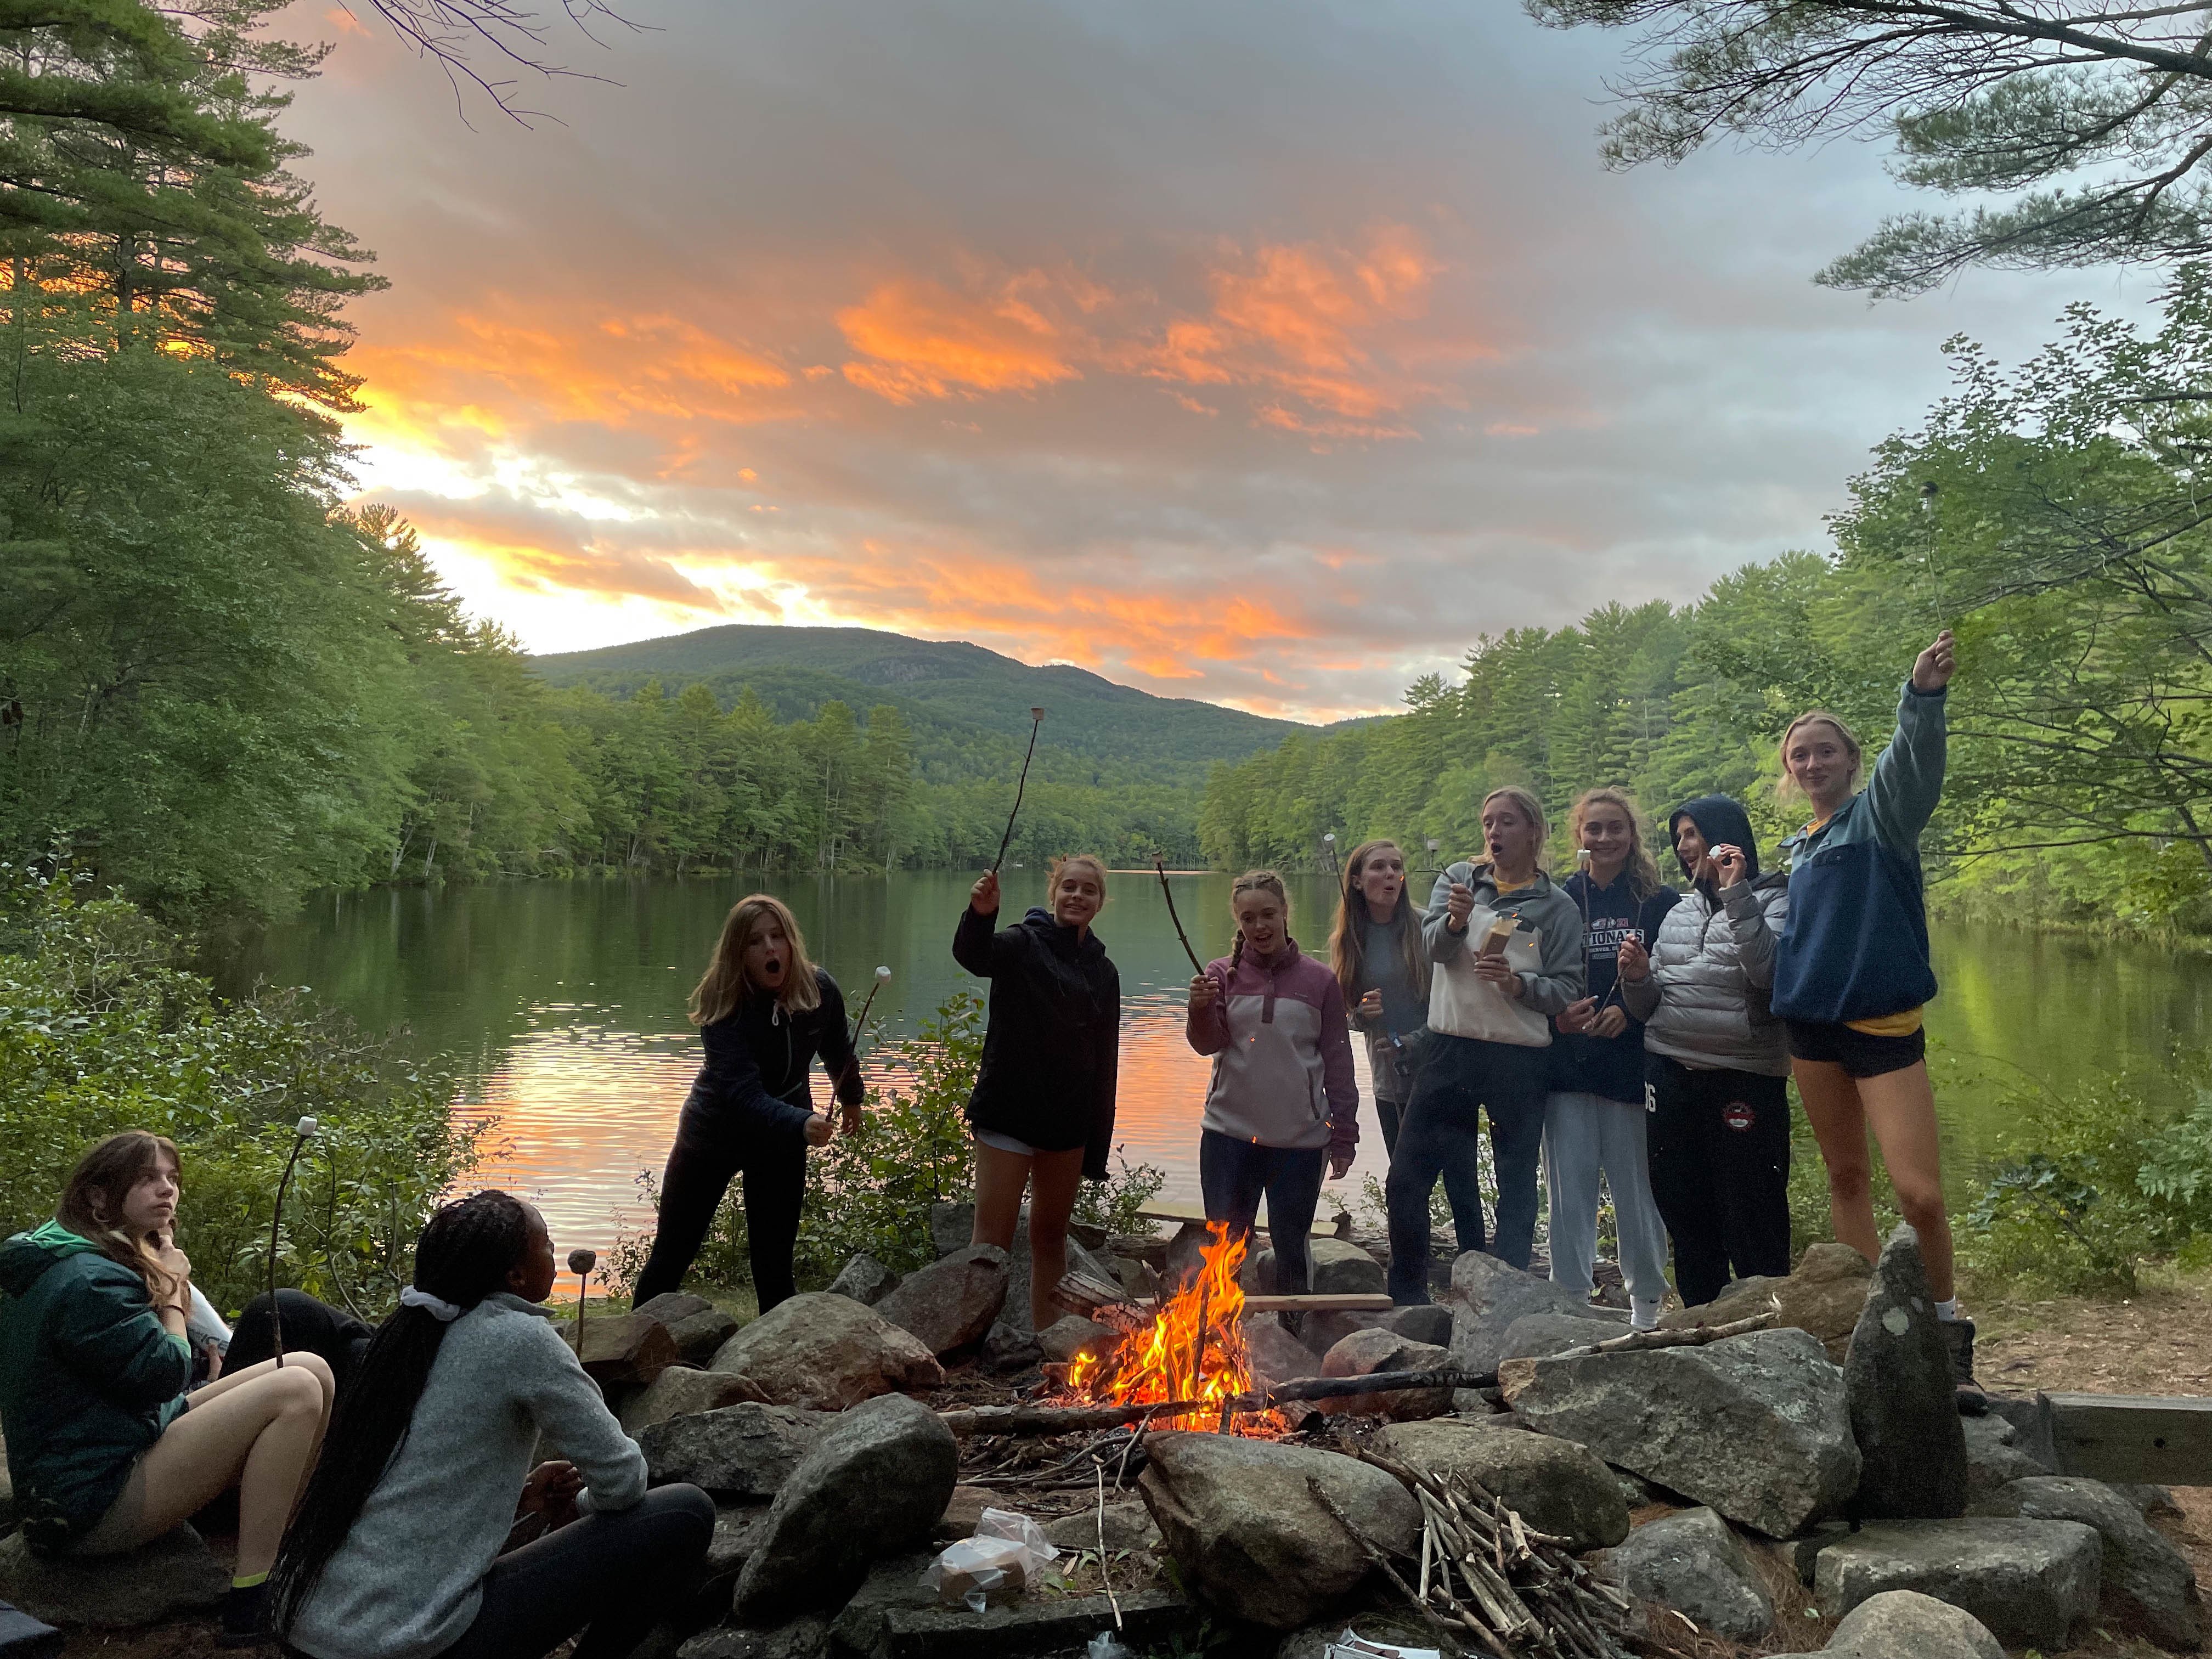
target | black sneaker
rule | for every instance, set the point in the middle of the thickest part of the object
(1959, 1338)
(244, 1617)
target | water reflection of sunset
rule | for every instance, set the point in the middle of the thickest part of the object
(577, 1110)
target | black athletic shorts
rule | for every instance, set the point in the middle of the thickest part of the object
(1861, 1053)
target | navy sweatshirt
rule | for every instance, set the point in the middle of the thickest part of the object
(758, 1056)
(1610, 1068)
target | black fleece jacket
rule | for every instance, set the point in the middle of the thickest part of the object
(758, 1056)
(1051, 1048)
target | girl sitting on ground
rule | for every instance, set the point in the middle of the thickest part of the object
(1042, 1108)
(1283, 1102)
(105, 1450)
(396, 1551)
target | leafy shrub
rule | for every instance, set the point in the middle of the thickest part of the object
(870, 1193)
(100, 1030)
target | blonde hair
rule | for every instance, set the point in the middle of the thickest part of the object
(1786, 787)
(1530, 808)
(1347, 951)
(724, 985)
(1643, 870)
(1061, 866)
(1255, 881)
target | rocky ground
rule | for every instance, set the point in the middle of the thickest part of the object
(1704, 1479)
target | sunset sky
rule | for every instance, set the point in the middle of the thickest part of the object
(1266, 354)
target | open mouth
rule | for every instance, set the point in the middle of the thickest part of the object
(772, 968)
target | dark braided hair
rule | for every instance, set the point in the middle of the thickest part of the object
(464, 1254)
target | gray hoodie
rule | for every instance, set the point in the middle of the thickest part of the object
(1705, 1001)
(1561, 973)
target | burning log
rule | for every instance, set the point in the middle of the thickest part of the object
(1110, 1304)
(1089, 1420)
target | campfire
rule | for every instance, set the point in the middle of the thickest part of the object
(1191, 1351)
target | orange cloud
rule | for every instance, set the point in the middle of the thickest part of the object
(920, 339)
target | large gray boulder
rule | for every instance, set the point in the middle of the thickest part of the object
(697, 1325)
(681, 1391)
(1276, 1355)
(1906, 1625)
(1322, 1331)
(827, 1352)
(1902, 1396)
(1245, 1530)
(1487, 1297)
(2031, 1582)
(949, 1304)
(1429, 1321)
(871, 1486)
(745, 1451)
(1754, 1427)
(1339, 1267)
(174, 1574)
(1363, 1353)
(2145, 1585)
(1554, 1485)
(865, 1280)
(1691, 1561)
(951, 1225)
(1541, 1335)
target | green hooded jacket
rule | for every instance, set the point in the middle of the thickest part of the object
(89, 1377)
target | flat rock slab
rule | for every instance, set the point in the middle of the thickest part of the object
(1242, 1524)
(2145, 1585)
(1691, 1561)
(1995, 1456)
(22, 1637)
(1127, 1527)
(1753, 1426)
(1902, 1396)
(1555, 1486)
(2031, 1582)
(745, 1451)
(1033, 1624)
(176, 1573)
(827, 1352)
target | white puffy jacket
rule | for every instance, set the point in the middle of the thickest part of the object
(1705, 1000)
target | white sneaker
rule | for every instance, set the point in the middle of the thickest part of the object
(1643, 1315)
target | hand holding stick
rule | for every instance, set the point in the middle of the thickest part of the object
(1160, 868)
(1036, 719)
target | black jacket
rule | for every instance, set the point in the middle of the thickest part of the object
(757, 1059)
(1053, 1045)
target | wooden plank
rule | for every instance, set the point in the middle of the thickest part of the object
(2165, 1439)
(1347, 1302)
(1180, 1213)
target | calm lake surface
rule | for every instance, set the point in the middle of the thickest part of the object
(564, 1003)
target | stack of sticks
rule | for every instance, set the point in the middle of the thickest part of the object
(1489, 1580)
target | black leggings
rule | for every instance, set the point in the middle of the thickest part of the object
(707, 1153)
(608, 1575)
(1719, 1143)
(310, 1327)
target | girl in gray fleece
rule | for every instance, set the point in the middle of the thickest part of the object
(395, 1553)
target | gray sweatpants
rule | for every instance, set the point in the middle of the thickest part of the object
(1584, 1134)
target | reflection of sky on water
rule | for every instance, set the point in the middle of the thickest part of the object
(579, 1107)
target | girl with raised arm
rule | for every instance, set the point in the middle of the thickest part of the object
(1594, 1116)
(1283, 1104)
(1506, 949)
(765, 1013)
(1043, 1109)
(105, 1450)
(1851, 974)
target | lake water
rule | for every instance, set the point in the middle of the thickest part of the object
(564, 1002)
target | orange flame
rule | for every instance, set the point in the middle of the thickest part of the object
(1194, 1350)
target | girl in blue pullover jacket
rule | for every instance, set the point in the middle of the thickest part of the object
(1851, 974)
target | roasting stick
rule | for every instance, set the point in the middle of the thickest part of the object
(1159, 866)
(1036, 719)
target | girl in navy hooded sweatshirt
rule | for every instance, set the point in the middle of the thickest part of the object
(1283, 1104)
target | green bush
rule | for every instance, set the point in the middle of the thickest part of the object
(100, 1030)
(870, 1193)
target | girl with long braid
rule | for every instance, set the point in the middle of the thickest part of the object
(1283, 1103)
(395, 1553)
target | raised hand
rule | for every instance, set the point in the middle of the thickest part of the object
(983, 897)
(1932, 670)
(1635, 962)
(1730, 864)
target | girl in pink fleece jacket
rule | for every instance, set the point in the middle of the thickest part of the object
(1283, 1104)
